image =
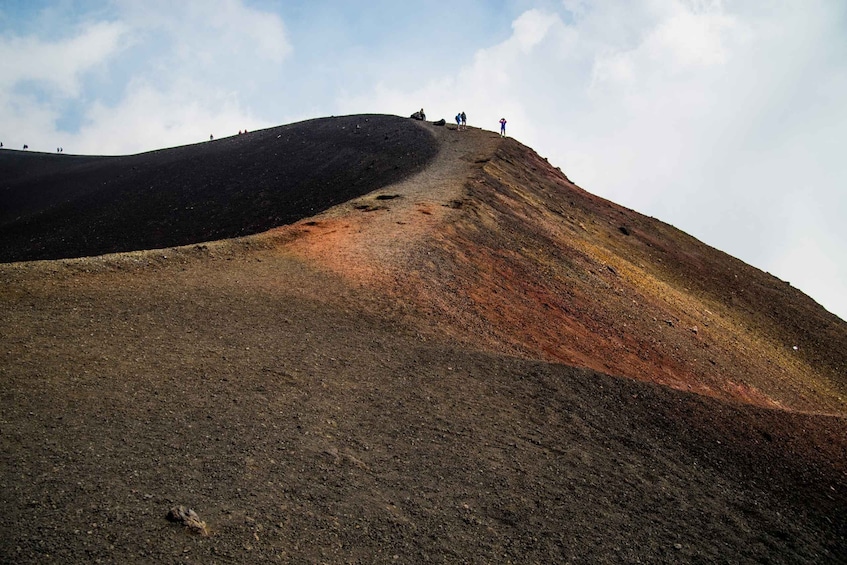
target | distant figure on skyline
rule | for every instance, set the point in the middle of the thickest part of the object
(464, 120)
(458, 121)
(26, 146)
(502, 127)
(1, 145)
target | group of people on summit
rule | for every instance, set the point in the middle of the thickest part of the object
(461, 121)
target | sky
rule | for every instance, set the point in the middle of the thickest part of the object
(726, 119)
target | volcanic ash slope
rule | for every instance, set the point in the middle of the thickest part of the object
(501, 251)
(422, 374)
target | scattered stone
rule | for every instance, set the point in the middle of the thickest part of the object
(188, 518)
(624, 230)
(440, 122)
(357, 462)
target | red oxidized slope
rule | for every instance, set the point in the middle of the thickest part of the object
(504, 252)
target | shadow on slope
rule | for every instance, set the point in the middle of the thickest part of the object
(59, 206)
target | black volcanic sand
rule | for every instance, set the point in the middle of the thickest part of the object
(58, 206)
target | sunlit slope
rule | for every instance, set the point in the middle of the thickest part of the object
(518, 259)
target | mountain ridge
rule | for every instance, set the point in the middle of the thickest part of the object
(63, 206)
(576, 254)
(448, 368)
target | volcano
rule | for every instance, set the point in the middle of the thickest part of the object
(368, 339)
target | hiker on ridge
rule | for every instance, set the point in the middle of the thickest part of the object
(464, 120)
(502, 127)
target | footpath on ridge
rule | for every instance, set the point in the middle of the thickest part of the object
(374, 235)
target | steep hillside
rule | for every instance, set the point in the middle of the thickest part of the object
(469, 363)
(517, 259)
(57, 206)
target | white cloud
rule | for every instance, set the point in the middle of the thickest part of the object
(813, 261)
(38, 76)
(491, 87)
(201, 63)
(59, 64)
(684, 41)
(183, 72)
(27, 122)
(528, 31)
(210, 33)
(149, 118)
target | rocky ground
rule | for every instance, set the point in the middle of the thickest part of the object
(372, 384)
